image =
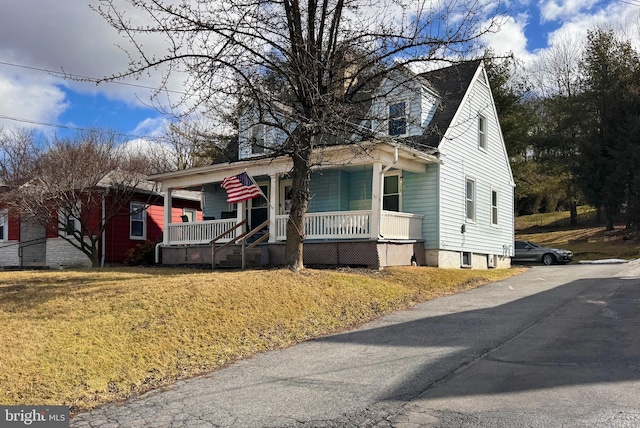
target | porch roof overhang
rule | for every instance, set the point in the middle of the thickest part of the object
(386, 152)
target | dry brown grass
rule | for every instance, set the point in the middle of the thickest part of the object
(588, 242)
(83, 338)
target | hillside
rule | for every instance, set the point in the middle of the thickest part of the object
(588, 241)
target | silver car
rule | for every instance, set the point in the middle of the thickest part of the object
(527, 251)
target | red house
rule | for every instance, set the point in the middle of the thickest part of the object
(25, 243)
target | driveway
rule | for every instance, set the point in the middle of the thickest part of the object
(555, 346)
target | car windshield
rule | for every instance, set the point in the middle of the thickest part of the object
(533, 244)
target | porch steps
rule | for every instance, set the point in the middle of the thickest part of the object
(253, 257)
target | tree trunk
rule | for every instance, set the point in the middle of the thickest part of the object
(573, 210)
(301, 175)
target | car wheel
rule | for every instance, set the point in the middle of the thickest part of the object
(548, 259)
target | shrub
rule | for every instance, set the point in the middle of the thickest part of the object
(141, 254)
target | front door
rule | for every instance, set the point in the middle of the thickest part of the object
(258, 209)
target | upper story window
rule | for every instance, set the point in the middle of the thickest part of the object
(470, 198)
(392, 194)
(482, 132)
(137, 221)
(258, 139)
(494, 207)
(398, 118)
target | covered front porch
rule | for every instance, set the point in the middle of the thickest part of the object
(354, 199)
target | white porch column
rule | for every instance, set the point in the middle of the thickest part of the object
(376, 200)
(241, 215)
(168, 208)
(273, 203)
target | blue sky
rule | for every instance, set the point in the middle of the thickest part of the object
(38, 35)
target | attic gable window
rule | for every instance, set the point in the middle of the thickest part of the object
(482, 132)
(398, 118)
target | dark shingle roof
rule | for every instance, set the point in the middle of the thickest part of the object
(451, 84)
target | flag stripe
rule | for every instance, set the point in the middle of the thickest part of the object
(240, 188)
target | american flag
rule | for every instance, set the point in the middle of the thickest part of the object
(240, 188)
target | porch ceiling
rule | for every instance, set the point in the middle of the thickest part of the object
(331, 157)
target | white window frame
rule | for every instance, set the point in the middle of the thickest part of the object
(482, 132)
(66, 219)
(191, 213)
(470, 200)
(4, 225)
(258, 138)
(399, 193)
(406, 117)
(495, 208)
(138, 208)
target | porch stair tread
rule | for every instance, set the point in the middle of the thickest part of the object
(234, 260)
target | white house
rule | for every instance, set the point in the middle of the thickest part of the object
(434, 188)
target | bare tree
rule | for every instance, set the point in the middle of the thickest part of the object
(191, 144)
(308, 68)
(78, 186)
(19, 148)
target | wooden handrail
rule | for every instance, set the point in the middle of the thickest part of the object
(243, 237)
(225, 233)
(250, 234)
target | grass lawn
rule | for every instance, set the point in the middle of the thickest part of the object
(83, 338)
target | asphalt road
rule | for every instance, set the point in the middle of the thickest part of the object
(555, 346)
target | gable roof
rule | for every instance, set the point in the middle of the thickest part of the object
(451, 85)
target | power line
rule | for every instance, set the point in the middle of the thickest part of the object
(64, 75)
(630, 2)
(72, 128)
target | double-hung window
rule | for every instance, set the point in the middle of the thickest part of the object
(397, 119)
(258, 138)
(470, 199)
(138, 221)
(482, 132)
(391, 197)
(494, 207)
(69, 220)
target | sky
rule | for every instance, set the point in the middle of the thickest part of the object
(40, 39)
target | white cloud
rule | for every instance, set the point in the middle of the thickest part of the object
(152, 127)
(28, 102)
(554, 9)
(510, 38)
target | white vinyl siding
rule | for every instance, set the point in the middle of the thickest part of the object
(488, 168)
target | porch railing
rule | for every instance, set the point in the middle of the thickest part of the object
(330, 225)
(201, 232)
(395, 225)
(325, 225)
(354, 225)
